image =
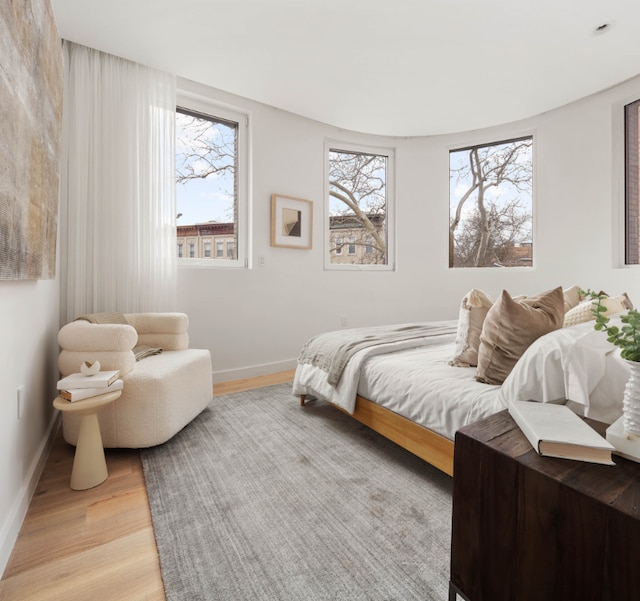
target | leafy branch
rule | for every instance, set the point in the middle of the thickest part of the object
(627, 337)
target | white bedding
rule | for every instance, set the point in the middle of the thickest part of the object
(575, 363)
(312, 380)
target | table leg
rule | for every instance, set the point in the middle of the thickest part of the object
(89, 465)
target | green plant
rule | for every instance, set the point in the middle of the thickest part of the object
(626, 337)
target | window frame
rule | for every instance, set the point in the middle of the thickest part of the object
(618, 184)
(481, 141)
(627, 202)
(388, 152)
(207, 107)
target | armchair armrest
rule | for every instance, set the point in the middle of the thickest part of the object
(81, 335)
(111, 344)
(168, 331)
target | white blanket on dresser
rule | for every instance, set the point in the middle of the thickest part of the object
(416, 381)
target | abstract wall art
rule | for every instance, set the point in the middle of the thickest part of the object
(31, 90)
(291, 222)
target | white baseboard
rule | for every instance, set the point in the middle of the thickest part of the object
(252, 371)
(13, 523)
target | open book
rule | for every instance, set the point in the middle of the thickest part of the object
(556, 431)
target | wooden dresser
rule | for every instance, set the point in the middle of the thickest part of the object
(532, 528)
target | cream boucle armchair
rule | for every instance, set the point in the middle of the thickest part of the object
(162, 393)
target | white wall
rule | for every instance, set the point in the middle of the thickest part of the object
(28, 356)
(255, 321)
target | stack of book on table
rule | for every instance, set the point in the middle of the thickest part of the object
(77, 387)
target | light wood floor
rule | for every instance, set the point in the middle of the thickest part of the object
(94, 544)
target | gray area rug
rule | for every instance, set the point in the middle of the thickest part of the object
(260, 498)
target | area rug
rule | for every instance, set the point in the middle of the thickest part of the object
(260, 498)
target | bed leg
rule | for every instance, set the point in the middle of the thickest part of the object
(302, 398)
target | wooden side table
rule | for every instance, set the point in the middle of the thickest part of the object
(89, 465)
(532, 528)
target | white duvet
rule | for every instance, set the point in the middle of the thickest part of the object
(575, 363)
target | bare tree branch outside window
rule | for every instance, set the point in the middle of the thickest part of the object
(491, 205)
(207, 185)
(358, 207)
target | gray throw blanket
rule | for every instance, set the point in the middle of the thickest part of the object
(140, 351)
(332, 351)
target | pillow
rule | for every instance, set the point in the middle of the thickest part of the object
(583, 312)
(578, 364)
(511, 326)
(572, 297)
(473, 310)
(626, 301)
(624, 297)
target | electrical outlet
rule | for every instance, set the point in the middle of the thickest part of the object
(20, 401)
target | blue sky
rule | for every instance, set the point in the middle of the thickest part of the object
(211, 198)
(204, 200)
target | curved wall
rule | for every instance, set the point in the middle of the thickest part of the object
(255, 321)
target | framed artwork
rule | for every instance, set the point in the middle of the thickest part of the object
(31, 82)
(291, 222)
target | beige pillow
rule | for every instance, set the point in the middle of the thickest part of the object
(583, 312)
(572, 297)
(473, 310)
(624, 297)
(511, 326)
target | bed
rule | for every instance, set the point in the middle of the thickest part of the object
(408, 391)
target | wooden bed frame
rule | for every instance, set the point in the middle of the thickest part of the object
(426, 444)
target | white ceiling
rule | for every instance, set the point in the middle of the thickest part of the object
(392, 67)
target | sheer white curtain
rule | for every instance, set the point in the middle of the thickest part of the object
(118, 245)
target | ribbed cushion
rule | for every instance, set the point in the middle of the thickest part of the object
(69, 362)
(583, 312)
(158, 323)
(84, 336)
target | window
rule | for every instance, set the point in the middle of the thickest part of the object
(231, 247)
(368, 249)
(491, 205)
(180, 250)
(219, 249)
(359, 201)
(632, 184)
(211, 175)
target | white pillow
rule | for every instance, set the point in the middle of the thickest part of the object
(473, 310)
(569, 363)
(583, 312)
